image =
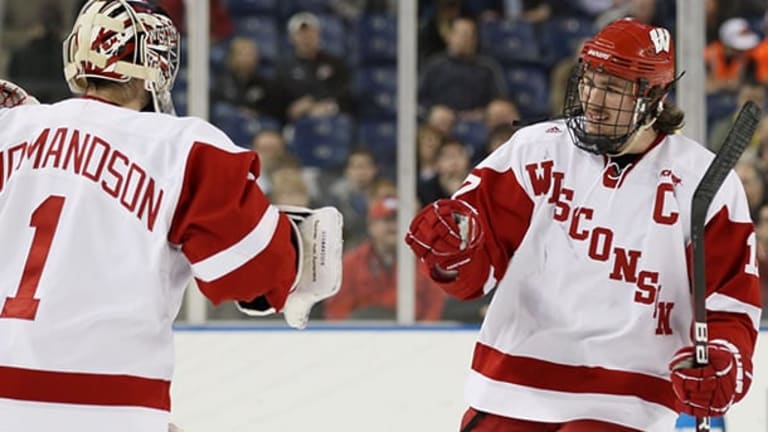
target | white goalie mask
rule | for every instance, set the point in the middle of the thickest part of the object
(117, 40)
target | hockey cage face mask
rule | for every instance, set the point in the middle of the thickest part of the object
(117, 40)
(602, 111)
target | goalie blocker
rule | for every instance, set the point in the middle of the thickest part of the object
(317, 234)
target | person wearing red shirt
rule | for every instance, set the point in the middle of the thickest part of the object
(369, 281)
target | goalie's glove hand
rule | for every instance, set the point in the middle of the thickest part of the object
(445, 235)
(318, 233)
(12, 95)
(705, 391)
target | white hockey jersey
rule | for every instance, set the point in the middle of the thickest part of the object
(105, 216)
(590, 265)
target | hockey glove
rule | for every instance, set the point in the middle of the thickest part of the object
(320, 255)
(317, 235)
(12, 95)
(445, 235)
(710, 390)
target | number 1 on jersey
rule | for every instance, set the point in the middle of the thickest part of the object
(44, 220)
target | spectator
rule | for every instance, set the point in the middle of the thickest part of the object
(536, 11)
(461, 78)
(452, 166)
(382, 187)
(753, 179)
(369, 281)
(761, 229)
(726, 57)
(748, 91)
(434, 25)
(242, 85)
(289, 187)
(442, 118)
(270, 147)
(350, 194)
(37, 64)
(761, 149)
(428, 142)
(312, 81)
(501, 111)
(499, 135)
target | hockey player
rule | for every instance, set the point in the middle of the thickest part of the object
(109, 206)
(587, 247)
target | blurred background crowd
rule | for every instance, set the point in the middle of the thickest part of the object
(311, 86)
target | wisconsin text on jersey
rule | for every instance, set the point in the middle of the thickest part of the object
(93, 158)
(601, 239)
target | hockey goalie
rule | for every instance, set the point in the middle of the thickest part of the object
(109, 206)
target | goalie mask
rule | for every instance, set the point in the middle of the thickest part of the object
(619, 85)
(117, 40)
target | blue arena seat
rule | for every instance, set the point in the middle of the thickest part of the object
(562, 36)
(720, 105)
(333, 35)
(263, 29)
(240, 126)
(290, 7)
(377, 91)
(253, 7)
(472, 133)
(377, 39)
(322, 142)
(529, 87)
(380, 137)
(509, 41)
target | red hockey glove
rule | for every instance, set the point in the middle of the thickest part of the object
(710, 390)
(445, 234)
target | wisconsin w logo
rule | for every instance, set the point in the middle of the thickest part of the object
(661, 39)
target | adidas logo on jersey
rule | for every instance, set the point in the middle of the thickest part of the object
(553, 129)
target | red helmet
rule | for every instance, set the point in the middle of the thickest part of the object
(634, 51)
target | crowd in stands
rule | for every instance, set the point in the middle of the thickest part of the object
(311, 86)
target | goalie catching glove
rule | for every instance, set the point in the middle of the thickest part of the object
(445, 235)
(12, 95)
(318, 235)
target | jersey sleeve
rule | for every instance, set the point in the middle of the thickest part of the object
(239, 245)
(505, 210)
(733, 286)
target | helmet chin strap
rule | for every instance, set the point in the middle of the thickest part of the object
(633, 140)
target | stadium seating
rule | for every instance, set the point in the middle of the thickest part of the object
(263, 29)
(377, 90)
(561, 37)
(509, 41)
(720, 105)
(377, 39)
(529, 88)
(473, 133)
(333, 35)
(322, 142)
(251, 7)
(239, 125)
(288, 8)
(380, 137)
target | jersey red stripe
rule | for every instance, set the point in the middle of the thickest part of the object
(84, 388)
(536, 373)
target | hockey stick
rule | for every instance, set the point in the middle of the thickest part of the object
(733, 146)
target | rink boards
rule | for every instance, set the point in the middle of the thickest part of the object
(377, 379)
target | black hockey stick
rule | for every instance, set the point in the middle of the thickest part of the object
(733, 146)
